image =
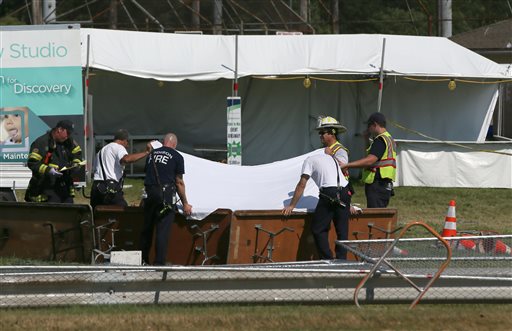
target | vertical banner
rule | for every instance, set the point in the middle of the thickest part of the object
(234, 143)
(40, 84)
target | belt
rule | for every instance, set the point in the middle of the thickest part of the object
(329, 187)
(328, 192)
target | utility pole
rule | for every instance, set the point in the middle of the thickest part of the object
(335, 14)
(196, 19)
(37, 13)
(49, 11)
(444, 8)
(217, 17)
(304, 10)
(113, 14)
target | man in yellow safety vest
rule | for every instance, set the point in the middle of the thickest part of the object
(379, 165)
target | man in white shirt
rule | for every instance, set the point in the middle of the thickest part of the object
(107, 186)
(334, 198)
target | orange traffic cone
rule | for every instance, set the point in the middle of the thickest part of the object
(466, 244)
(399, 251)
(502, 248)
(450, 221)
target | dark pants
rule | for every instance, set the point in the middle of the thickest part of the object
(54, 190)
(58, 196)
(61, 191)
(153, 219)
(325, 212)
(99, 197)
(378, 193)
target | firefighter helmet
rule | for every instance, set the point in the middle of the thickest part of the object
(328, 122)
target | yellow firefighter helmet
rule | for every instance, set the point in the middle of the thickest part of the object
(328, 122)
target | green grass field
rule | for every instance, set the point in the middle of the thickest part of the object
(478, 317)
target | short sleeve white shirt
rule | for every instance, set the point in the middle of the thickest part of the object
(111, 156)
(342, 155)
(324, 171)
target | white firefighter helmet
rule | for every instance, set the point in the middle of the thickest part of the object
(328, 122)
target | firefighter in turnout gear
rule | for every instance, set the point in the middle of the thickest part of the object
(49, 154)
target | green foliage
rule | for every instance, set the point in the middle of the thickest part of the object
(471, 14)
(387, 17)
(407, 17)
(15, 261)
(9, 20)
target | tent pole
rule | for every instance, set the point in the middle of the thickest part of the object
(86, 114)
(235, 84)
(381, 74)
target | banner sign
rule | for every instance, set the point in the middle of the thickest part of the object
(234, 143)
(40, 84)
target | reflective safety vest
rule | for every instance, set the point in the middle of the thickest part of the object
(336, 147)
(45, 154)
(386, 163)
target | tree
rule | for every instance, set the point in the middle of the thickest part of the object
(410, 17)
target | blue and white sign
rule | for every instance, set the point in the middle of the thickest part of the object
(40, 84)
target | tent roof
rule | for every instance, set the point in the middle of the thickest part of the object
(176, 57)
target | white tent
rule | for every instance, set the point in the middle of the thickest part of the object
(176, 57)
(194, 74)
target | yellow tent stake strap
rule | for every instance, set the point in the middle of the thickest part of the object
(318, 78)
(436, 80)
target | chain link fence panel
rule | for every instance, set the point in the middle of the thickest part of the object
(473, 274)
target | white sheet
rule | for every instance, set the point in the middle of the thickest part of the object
(211, 185)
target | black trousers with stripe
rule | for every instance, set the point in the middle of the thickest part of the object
(325, 212)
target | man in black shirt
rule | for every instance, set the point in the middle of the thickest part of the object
(164, 177)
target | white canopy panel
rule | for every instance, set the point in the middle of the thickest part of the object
(176, 57)
(436, 164)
